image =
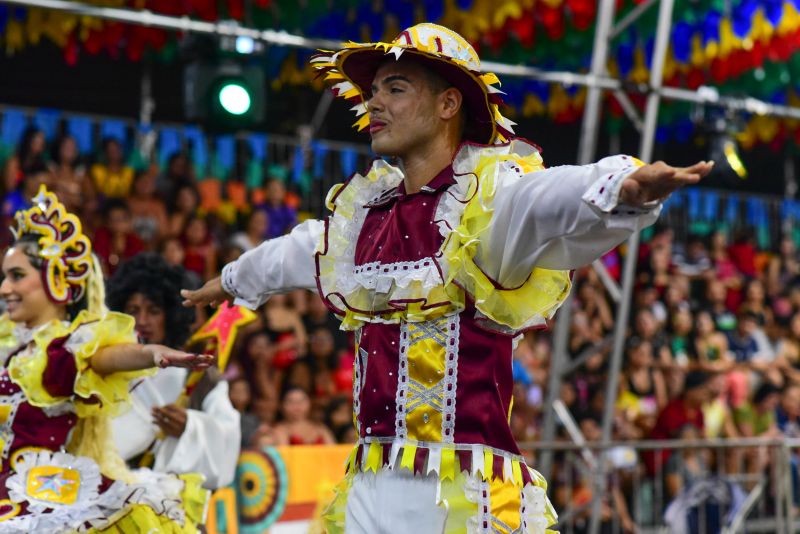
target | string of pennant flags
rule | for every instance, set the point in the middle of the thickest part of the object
(742, 47)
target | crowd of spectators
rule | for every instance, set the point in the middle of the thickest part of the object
(713, 348)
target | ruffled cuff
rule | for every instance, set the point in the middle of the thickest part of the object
(604, 193)
(95, 393)
(228, 279)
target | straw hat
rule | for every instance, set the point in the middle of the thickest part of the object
(351, 71)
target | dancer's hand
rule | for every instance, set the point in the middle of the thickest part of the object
(657, 180)
(211, 294)
(167, 357)
(171, 419)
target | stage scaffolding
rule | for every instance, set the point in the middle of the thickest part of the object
(596, 82)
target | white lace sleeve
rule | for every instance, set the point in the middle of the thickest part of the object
(275, 266)
(560, 218)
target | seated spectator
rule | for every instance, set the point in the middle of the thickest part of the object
(686, 409)
(681, 351)
(173, 252)
(30, 154)
(783, 268)
(339, 418)
(286, 328)
(693, 260)
(680, 342)
(254, 362)
(710, 346)
(255, 228)
(326, 361)
(179, 173)
(726, 271)
(755, 303)
(296, 427)
(147, 209)
(112, 178)
(743, 252)
(688, 466)
(647, 297)
(592, 300)
(717, 415)
(282, 218)
(757, 417)
(787, 417)
(242, 400)
(741, 341)
(788, 360)
(71, 182)
(199, 249)
(658, 271)
(319, 315)
(116, 241)
(716, 303)
(644, 391)
(647, 328)
(20, 198)
(181, 207)
(576, 488)
(787, 414)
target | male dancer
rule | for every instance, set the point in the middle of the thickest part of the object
(436, 263)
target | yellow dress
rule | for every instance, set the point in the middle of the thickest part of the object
(59, 471)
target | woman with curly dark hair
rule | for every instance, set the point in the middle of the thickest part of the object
(161, 431)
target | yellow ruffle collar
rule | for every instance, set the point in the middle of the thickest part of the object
(423, 292)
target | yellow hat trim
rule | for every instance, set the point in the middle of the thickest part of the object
(328, 63)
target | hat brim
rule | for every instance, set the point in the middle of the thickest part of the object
(359, 66)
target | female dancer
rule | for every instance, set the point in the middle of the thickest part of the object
(67, 362)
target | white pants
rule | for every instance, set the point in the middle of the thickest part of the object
(394, 502)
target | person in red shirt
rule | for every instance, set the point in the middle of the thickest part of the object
(680, 412)
(116, 241)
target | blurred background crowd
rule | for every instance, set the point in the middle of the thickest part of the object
(713, 348)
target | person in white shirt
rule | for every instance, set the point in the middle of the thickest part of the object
(158, 431)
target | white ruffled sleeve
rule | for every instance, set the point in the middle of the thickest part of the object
(560, 218)
(209, 444)
(275, 266)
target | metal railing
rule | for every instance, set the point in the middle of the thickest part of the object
(704, 486)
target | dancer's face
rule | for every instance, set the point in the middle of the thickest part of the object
(405, 109)
(149, 317)
(22, 289)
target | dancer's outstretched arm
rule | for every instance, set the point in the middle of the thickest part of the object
(133, 357)
(566, 217)
(276, 266)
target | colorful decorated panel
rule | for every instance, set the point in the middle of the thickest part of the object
(278, 490)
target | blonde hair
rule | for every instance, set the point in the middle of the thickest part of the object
(92, 436)
(96, 290)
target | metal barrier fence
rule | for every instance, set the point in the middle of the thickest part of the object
(684, 486)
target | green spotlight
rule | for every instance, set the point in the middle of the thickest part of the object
(234, 98)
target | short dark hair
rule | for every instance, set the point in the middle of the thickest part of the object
(112, 204)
